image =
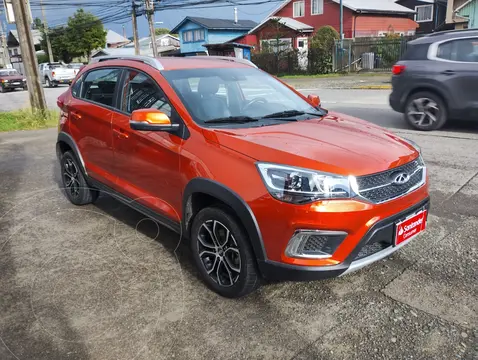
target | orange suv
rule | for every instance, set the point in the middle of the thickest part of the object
(262, 181)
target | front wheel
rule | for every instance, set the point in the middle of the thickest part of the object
(222, 253)
(425, 111)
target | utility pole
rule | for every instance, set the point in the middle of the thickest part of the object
(341, 24)
(3, 39)
(45, 25)
(29, 59)
(341, 33)
(135, 29)
(150, 15)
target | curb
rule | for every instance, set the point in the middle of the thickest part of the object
(373, 87)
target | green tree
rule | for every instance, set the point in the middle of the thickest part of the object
(85, 33)
(162, 31)
(322, 49)
(37, 24)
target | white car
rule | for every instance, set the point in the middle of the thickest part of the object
(53, 74)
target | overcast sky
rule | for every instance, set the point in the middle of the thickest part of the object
(170, 18)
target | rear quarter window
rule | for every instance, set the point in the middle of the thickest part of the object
(416, 52)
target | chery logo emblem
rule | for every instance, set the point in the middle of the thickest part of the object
(401, 178)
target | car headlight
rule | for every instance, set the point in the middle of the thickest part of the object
(299, 186)
(414, 144)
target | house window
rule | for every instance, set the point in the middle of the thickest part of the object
(276, 45)
(199, 35)
(188, 36)
(317, 7)
(194, 35)
(424, 13)
(299, 8)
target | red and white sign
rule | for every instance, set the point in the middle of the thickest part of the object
(410, 227)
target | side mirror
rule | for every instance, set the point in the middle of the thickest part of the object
(314, 100)
(151, 120)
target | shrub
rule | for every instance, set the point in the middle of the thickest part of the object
(321, 50)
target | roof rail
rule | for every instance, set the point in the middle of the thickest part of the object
(438, 33)
(228, 58)
(144, 59)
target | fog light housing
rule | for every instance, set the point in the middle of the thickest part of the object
(314, 244)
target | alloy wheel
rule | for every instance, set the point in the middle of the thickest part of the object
(70, 176)
(219, 253)
(423, 112)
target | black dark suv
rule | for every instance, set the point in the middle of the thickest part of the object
(437, 79)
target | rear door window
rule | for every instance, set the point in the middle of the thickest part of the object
(462, 50)
(99, 86)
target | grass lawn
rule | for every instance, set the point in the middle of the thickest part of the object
(26, 120)
(334, 75)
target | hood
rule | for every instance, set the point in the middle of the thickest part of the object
(336, 143)
(13, 77)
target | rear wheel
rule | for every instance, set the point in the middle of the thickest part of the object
(47, 82)
(425, 111)
(74, 182)
(223, 254)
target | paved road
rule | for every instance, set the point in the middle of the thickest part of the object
(102, 282)
(371, 105)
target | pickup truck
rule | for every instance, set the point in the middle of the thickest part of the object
(53, 74)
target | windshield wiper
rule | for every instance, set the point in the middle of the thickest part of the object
(289, 113)
(231, 119)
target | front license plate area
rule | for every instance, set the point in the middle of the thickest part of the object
(411, 226)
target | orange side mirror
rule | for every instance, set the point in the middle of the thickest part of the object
(151, 120)
(314, 100)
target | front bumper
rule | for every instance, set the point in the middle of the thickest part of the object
(381, 233)
(15, 85)
(63, 81)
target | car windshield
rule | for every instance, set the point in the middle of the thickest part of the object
(9, 73)
(238, 96)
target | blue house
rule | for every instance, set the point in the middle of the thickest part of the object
(196, 33)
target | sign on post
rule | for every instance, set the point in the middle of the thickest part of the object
(8, 6)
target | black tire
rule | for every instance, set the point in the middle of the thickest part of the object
(236, 250)
(74, 182)
(427, 108)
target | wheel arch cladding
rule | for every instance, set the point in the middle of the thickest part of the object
(66, 143)
(213, 189)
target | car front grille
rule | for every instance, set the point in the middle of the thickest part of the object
(381, 187)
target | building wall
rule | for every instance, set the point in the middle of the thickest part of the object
(272, 31)
(439, 15)
(192, 47)
(248, 39)
(210, 37)
(222, 36)
(473, 23)
(330, 16)
(370, 25)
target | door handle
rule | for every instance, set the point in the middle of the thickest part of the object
(75, 115)
(122, 134)
(448, 72)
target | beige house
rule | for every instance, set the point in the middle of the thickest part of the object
(452, 17)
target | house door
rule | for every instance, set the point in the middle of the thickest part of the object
(303, 51)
